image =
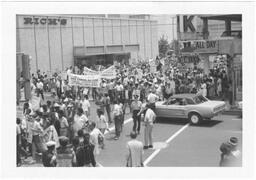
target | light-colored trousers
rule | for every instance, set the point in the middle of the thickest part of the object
(148, 134)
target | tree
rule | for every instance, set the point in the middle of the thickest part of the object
(175, 46)
(163, 46)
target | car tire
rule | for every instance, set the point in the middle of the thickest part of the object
(194, 118)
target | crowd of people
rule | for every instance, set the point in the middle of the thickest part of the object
(66, 118)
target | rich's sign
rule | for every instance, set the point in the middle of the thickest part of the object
(44, 20)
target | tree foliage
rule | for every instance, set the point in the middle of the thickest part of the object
(163, 46)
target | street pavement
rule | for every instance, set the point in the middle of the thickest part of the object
(176, 143)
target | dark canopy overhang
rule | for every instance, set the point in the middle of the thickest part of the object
(223, 17)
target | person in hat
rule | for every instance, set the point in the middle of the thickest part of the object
(136, 106)
(49, 156)
(134, 155)
(230, 155)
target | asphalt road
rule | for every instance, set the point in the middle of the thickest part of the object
(176, 143)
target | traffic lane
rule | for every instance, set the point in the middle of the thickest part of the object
(197, 146)
(114, 153)
(228, 122)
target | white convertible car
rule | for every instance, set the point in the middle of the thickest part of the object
(191, 106)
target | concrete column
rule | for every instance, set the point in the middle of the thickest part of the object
(228, 27)
(205, 28)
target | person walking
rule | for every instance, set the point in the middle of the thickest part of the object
(63, 124)
(95, 135)
(86, 105)
(136, 106)
(49, 156)
(219, 87)
(80, 121)
(149, 118)
(37, 144)
(82, 154)
(152, 98)
(18, 142)
(102, 123)
(108, 107)
(117, 114)
(134, 155)
(40, 88)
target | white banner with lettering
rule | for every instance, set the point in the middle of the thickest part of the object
(84, 81)
(109, 73)
(88, 71)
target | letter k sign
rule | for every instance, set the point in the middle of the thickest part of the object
(187, 23)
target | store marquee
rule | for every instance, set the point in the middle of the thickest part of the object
(199, 46)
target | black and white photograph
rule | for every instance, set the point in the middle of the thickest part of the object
(131, 90)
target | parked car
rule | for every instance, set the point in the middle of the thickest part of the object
(194, 107)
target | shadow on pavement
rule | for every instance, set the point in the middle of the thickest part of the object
(208, 123)
(180, 121)
(175, 121)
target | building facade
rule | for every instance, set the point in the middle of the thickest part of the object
(213, 38)
(56, 42)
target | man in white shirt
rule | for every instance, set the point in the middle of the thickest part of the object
(86, 105)
(119, 87)
(136, 106)
(117, 114)
(40, 89)
(150, 117)
(136, 91)
(172, 86)
(80, 121)
(134, 152)
(152, 98)
(94, 135)
(37, 144)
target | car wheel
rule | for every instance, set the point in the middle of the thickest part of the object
(195, 118)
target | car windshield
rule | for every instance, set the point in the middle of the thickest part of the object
(200, 99)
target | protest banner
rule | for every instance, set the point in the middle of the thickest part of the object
(35, 102)
(84, 81)
(152, 66)
(88, 71)
(63, 75)
(109, 73)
